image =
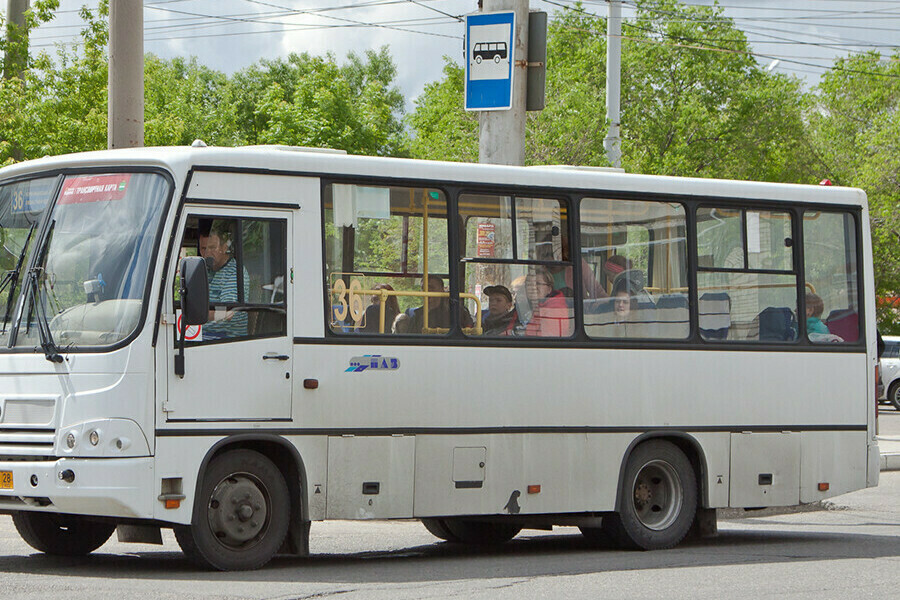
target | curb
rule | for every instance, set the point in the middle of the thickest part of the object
(890, 461)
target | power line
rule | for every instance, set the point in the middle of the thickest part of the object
(713, 47)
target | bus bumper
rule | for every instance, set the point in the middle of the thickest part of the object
(115, 487)
(874, 469)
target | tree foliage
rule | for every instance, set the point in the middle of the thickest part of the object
(685, 110)
(855, 131)
(60, 105)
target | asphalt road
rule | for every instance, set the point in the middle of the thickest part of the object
(849, 551)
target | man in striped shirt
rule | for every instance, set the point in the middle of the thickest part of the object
(223, 289)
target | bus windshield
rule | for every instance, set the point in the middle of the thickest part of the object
(90, 268)
(21, 206)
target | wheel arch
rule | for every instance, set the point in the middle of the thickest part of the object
(687, 444)
(287, 459)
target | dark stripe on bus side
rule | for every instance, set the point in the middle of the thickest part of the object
(370, 341)
(386, 431)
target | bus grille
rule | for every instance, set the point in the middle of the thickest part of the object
(31, 443)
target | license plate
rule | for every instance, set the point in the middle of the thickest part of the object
(6, 480)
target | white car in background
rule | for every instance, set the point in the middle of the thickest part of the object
(890, 370)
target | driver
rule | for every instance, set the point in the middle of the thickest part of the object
(215, 247)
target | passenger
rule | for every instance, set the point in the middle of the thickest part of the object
(373, 311)
(438, 310)
(633, 281)
(401, 323)
(625, 303)
(552, 316)
(501, 318)
(814, 309)
(563, 278)
(215, 247)
(615, 266)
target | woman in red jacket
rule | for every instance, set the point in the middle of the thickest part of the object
(553, 315)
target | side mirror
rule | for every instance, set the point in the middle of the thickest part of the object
(194, 291)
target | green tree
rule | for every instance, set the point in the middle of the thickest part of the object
(855, 130)
(307, 100)
(689, 106)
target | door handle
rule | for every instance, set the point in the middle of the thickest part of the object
(276, 357)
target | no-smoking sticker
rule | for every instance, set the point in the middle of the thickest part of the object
(194, 333)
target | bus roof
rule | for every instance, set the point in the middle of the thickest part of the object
(308, 161)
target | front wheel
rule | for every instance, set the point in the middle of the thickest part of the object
(659, 498)
(244, 515)
(894, 394)
(61, 535)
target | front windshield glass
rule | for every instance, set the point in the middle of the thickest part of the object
(94, 258)
(21, 206)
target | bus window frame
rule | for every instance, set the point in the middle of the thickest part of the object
(579, 339)
(162, 233)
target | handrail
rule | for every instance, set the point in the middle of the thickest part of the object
(384, 294)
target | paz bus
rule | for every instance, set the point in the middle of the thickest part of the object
(218, 341)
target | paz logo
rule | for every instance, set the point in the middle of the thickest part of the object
(372, 362)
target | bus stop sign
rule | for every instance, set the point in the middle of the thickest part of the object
(489, 60)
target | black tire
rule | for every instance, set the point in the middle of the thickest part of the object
(894, 394)
(596, 536)
(659, 498)
(480, 533)
(61, 535)
(438, 528)
(241, 514)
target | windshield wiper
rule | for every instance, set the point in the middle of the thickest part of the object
(51, 350)
(12, 277)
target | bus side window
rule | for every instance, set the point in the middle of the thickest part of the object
(745, 266)
(246, 265)
(634, 269)
(832, 309)
(379, 243)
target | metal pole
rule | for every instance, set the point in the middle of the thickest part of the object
(612, 142)
(126, 74)
(502, 132)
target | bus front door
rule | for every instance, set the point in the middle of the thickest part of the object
(238, 365)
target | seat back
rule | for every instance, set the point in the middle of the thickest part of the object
(715, 315)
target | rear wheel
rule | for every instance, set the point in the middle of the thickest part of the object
(482, 533)
(438, 528)
(894, 394)
(244, 515)
(659, 498)
(598, 536)
(62, 535)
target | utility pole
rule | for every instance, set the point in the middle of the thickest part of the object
(126, 74)
(612, 142)
(16, 59)
(502, 132)
(15, 62)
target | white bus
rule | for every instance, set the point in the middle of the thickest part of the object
(665, 347)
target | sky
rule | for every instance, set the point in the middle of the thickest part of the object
(228, 35)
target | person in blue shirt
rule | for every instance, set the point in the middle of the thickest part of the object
(223, 287)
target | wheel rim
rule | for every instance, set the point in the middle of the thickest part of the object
(238, 511)
(895, 396)
(657, 495)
